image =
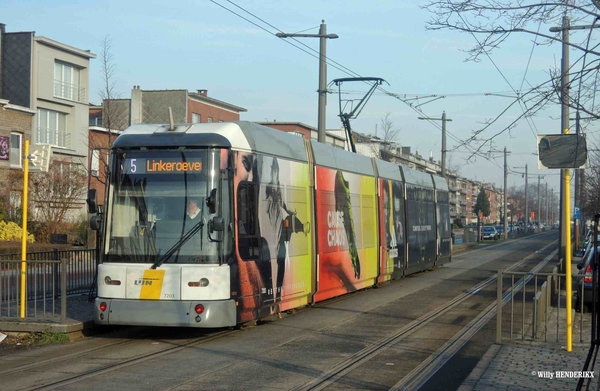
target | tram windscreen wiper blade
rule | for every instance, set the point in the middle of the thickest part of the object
(178, 244)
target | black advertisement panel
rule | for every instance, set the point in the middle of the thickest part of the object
(420, 213)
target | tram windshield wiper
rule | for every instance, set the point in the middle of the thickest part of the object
(178, 244)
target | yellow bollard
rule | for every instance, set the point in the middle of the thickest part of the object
(24, 231)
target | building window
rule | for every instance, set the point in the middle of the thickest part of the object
(195, 118)
(66, 82)
(209, 119)
(16, 159)
(52, 129)
(96, 121)
(95, 163)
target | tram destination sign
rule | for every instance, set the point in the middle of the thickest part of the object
(161, 166)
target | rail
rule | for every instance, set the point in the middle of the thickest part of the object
(81, 268)
(51, 275)
(41, 278)
(534, 307)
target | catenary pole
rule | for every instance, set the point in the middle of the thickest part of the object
(323, 36)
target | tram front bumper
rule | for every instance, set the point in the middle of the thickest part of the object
(168, 313)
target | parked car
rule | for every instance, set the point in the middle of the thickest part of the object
(489, 232)
(500, 229)
(585, 276)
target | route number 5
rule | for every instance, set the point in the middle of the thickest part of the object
(133, 166)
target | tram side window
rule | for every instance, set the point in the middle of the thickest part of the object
(247, 219)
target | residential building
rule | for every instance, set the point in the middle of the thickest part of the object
(152, 107)
(50, 81)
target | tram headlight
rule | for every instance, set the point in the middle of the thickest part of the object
(203, 283)
(103, 306)
(110, 281)
(199, 309)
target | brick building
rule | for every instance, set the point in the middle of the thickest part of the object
(15, 127)
(151, 107)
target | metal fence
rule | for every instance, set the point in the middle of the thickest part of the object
(50, 275)
(41, 280)
(533, 307)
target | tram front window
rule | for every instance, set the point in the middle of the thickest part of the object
(162, 203)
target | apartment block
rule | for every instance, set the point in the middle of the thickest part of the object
(45, 84)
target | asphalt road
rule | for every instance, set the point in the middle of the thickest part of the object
(335, 345)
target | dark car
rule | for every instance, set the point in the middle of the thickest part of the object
(500, 229)
(489, 232)
(585, 276)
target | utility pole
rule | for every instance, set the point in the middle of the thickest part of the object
(505, 196)
(322, 73)
(526, 206)
(443, 119)
(564, 124)
(539, 217)
(547, 203)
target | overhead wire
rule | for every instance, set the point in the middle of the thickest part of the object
(350, 72)
(497, 68)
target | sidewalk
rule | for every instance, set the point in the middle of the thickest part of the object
(536, 365)
(80, 316)
(528, 367)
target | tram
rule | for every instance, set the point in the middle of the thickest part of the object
(219, 224)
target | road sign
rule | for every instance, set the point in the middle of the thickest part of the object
(576, 213)
(39, 158)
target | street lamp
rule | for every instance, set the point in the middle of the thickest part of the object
(322, 73)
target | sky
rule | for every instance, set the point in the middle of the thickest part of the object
(201, 44)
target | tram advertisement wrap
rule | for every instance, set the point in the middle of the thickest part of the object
(391, 229)
(347, 232)
(420, 220)
(279, 276)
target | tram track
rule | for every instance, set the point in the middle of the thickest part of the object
(428, 368)
(128, 362)
(321, 382)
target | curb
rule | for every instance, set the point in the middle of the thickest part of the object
(477, 372)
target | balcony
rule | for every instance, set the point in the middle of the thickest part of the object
(69, 91)
(464, 191)
(463, 203)
(54, 137)
(454, 188)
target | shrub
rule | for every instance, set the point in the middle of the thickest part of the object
(12, 232)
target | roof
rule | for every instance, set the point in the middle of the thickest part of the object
(50, 42)
(216, 102)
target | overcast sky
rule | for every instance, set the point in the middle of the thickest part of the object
(201, 45)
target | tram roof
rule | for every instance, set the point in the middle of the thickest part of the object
(241, 135)
(328, 156)
(440, 183)
(414, 177)
(388, 170)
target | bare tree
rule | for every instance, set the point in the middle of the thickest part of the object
(100, 145)
(387, 140)
(492, 23)
(55, 193)
(592, 183)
